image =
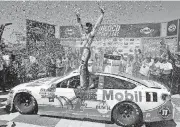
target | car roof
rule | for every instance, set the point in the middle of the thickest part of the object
(124, 75)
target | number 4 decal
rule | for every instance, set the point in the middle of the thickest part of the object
(151, 97)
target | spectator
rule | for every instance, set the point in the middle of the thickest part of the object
(137, 63)
(50, 65)
(2, 63)
(22, 70)
(26, 68)
(34, 70)
(155, 70)
(166, 70)
(145, 67)
(129, 66)
(163, 48)
(13, 71)
(59, 67)
(107, 65)
(123, 63)
(6, 57)
(175, 85)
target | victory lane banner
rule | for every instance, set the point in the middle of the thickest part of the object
(111, 30)
(116, 30)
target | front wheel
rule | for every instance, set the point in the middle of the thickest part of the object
(25, 103)
(127, 114)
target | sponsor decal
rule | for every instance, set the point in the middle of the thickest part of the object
(69, 31)
(146, 30)
(165, 112)
(103, 108)
(47, 94)
(136, 96)
(86, 94)
(24, 90)
(148, 115)
(51, 99)
(172, 28)
(151, 97)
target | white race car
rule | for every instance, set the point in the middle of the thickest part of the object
(121, 99)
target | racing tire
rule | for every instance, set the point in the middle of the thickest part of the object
(127, 114)
(25, 103)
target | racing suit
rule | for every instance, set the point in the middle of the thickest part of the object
(84, 73)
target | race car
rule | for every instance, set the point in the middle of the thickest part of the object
(122, 99)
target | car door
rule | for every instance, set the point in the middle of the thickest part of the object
(116, 90)
(95, 106)
(60, 98)
(65, 93)
(75, 101)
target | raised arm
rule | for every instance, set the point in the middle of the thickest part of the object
(79, 21)
(1, 31)
(98, 21)
(171, 56)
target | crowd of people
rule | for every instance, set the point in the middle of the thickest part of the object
(164, 68)
(20, 68)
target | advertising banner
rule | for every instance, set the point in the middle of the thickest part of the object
(140, 30)
(151, 46)
(69, 32)
(38, 30)
(172, 28)
(111, 30)
(172, 43)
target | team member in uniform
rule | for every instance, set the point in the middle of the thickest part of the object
(88, 34)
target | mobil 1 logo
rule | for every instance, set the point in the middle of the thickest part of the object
(151, 97)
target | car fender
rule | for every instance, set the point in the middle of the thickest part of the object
(34, 94)
(122, 102)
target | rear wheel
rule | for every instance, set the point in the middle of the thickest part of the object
(127, 114)
(25, 103)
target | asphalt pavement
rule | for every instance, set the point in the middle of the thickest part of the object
(44, 121)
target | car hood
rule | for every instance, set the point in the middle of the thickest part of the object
(43, 82)
(154, 84)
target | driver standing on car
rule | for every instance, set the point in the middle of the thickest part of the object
(88, 34)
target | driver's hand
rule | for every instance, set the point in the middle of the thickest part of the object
(77, 12)
(101, 8)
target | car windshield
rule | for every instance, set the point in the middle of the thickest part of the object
(153, 84)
